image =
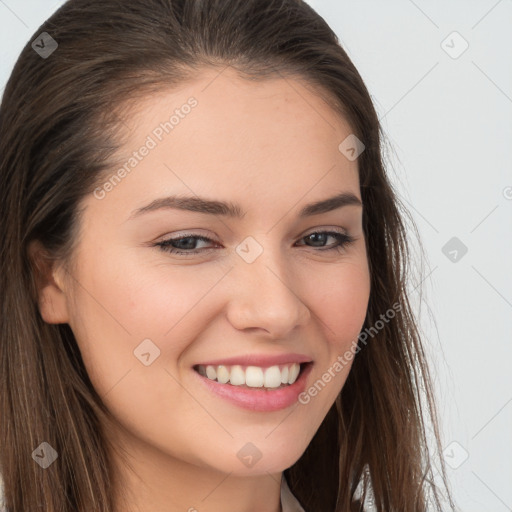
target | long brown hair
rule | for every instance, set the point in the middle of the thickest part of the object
(60, 122)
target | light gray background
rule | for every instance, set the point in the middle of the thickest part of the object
(449, 124)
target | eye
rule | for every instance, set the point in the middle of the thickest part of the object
(186, 245)
(320, 237)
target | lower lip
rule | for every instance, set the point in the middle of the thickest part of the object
(258, 399)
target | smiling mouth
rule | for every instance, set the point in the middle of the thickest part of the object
(253, 377)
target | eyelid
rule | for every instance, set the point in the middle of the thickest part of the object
(344, 239)
(186, 234)
(338, 229)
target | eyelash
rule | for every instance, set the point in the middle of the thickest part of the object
(165, 245)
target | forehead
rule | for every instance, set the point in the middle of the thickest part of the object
(220, 133)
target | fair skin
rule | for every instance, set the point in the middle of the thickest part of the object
(272, 149)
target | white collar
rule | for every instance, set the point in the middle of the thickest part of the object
(289, 502)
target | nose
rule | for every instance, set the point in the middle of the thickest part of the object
(263, 298)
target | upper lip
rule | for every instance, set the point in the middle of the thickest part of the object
(262, 360)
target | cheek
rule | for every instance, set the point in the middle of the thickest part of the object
(117, 310)
(340, 297)
(119, 306)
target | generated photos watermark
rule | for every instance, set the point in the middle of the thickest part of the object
(157, 135)
(343, 360)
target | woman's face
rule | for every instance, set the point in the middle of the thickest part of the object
(265, 286)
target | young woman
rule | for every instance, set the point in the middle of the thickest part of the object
(203, 270)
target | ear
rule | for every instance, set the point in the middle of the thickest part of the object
(50, 285)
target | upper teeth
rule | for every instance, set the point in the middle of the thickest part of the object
(252, 376)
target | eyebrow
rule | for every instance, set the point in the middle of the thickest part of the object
(201, 205)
